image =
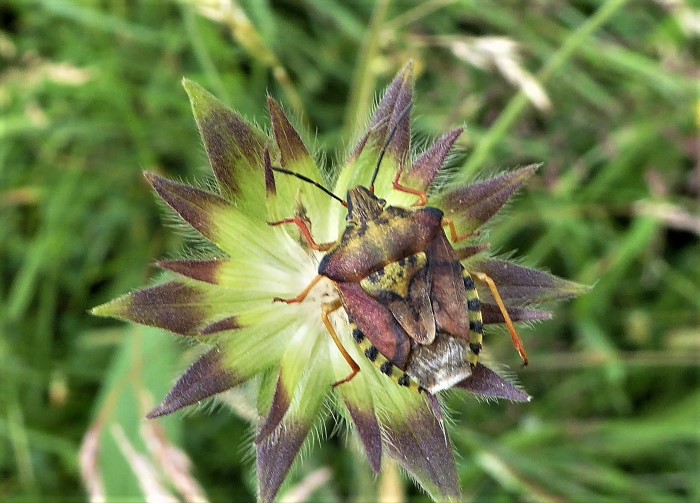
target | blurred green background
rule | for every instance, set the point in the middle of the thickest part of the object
(604, 94)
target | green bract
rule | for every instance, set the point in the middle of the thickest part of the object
(227, 304)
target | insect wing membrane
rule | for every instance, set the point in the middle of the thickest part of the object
(440, 365)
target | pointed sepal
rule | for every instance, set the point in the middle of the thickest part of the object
(367, 428)
(492, 314)
(245, 280)
(230, 228)
(270, 184)
(280, 404)
(392, 115)
(275, 456)
(361, 409)
(519, 285)
(427, 166)
(174, 306)
(197, 207)
(293, 152)
(295, 157)
(228, 324)
(486, 383)
(206, 271)
(234, 146)
(300, 351)
(277, 450)
(471, 206)
(206, 377)
(469, 251)
(417, 439)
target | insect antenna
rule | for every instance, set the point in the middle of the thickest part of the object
(403, 114)
(309, 180)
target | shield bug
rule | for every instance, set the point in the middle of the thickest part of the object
(413, 308)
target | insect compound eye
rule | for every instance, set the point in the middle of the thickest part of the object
(382, 202)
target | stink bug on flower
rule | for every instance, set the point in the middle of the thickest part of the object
(394, 272)
(413, 308)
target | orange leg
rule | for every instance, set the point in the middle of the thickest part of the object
(327, 310)
(300, 298)
(422, 196)
(456, 238)
(480, 276)
(305, 231)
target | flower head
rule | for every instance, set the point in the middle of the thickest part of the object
(274, 226)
